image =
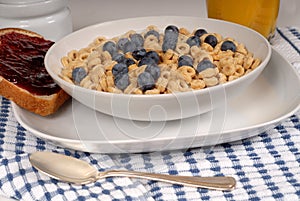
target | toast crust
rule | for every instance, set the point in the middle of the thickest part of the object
(18, 30)
(40, 104)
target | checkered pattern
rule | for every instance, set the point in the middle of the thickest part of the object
(266, 166)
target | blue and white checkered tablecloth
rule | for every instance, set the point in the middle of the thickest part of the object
(266, 166)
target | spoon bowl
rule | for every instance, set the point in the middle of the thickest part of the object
(72, 170)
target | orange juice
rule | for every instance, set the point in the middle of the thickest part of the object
(260, 15)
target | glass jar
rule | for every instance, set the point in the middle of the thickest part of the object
(49, 18)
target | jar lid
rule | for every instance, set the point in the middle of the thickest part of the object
(18, 2)
(20, 9)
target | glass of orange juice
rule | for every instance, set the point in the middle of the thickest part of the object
(260, 15)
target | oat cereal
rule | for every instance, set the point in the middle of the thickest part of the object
(156, 62)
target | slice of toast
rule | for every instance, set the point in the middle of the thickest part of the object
(23, 77)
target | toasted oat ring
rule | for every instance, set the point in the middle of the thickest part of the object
(183, 48)
(188, 73)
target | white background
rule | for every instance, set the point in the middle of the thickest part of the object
(88, 12)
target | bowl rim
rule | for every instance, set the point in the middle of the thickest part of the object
(140, 96)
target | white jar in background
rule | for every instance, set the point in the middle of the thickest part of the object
(49, 18)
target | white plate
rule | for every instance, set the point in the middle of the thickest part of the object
(274, 96)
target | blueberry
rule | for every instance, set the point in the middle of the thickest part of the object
(170, 38)
(118, 57)
(110, 47)
(145, 81)
(122, 81)
(152, 32)
(211, 39)
(172, 28)
(121, 42)
(128, 61)
(205, 64)
(119, 68)
(139, 53)
(228, 45)
(154, 70)
(137, 39)
(193, 40)
(129, 47)
(153, 55)
(78, 74)
(185, 60)
(146, 61)
(200, 32)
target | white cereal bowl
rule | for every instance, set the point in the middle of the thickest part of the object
(161, 107)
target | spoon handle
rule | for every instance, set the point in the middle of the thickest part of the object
(215, 183)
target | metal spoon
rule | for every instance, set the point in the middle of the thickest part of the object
(72, 170)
